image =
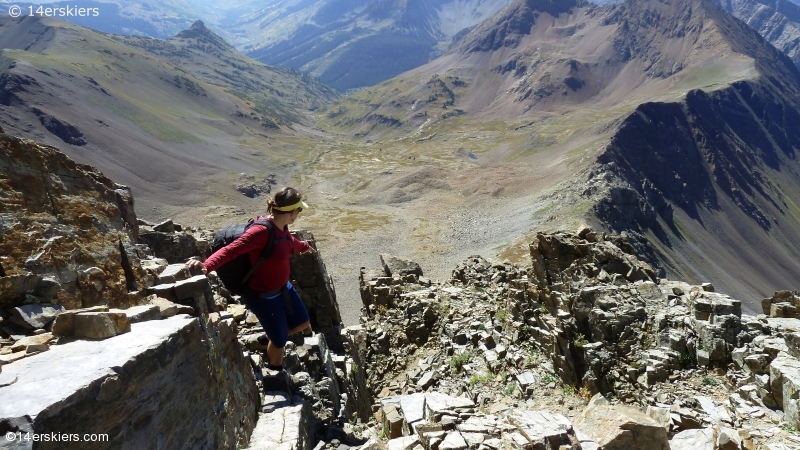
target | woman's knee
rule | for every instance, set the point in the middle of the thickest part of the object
(277, 341)
(300, 327)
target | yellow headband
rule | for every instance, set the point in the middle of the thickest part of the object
(300, 204)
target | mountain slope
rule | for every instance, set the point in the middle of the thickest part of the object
(168, 118)
(668, 119)
(778, 22)
(356, 43)
(714, 173)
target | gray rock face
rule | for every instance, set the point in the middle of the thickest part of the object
(702, 439)
(499, 334)
(310, 276)
(143, 313)
(777, 22)
(171, 381)
(785, 385)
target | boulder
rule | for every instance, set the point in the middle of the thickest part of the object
(757, 363)
(785, 386)
(41, 339)
(728, 439)
(143, 313)
(64, 325)
(36, 348)
(173, 273)
(165, 291)
(542, 428)
(413, 407)
(453, 441)
(166, 307)
(700, 439)
(616, 427)
(396, 266)
(403, 443)
(189, 288)
(392, 421)
(238, 311)
(35, 316)
(101, 325)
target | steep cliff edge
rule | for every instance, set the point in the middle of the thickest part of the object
(713, 181)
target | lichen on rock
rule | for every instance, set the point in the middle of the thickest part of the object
(66, 224)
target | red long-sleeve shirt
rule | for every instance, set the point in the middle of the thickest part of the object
(273, 273)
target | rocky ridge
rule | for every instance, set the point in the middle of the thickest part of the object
(589, 319)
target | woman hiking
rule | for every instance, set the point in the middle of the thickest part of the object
(269, 294)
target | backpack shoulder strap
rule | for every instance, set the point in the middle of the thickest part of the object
(266, 251)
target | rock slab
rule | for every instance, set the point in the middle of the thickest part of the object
(140, 387)
(616, 427)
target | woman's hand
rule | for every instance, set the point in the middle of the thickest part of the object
(310, 250)
(195, 264)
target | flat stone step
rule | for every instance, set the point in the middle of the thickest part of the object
(286, 428)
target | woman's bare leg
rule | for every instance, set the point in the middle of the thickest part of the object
(275, 355)
(300, 327)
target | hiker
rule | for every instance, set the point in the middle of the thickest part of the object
(269, 293)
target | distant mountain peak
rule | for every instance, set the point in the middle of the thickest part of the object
(199, 31)
(506, 28)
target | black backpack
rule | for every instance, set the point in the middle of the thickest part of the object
(235, 273)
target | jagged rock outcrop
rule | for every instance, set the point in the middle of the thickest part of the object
(310, 276)
(67, 233)
(782, 304)
(63, 130)
(617, 427)
(587, 317)
(172, 242)
(252, 188)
